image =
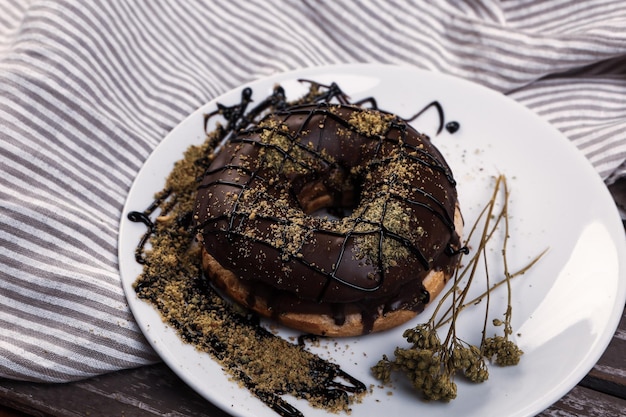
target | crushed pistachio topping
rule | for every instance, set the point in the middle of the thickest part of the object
(371, 123)
(394, 218)
(280, 153)
(283, 153)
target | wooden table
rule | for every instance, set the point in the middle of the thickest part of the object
(157, 391)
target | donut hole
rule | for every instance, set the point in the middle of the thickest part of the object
(332, 213)
(324, 198)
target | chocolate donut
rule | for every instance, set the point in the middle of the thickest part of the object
(333, 219)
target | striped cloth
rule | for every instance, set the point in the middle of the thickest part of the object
(89, 88)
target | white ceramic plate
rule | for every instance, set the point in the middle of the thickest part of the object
(565, 309)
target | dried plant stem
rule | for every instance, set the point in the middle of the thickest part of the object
(480, 252)
(431, 364)
(474, 262)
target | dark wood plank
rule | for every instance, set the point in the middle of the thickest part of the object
(609, 374)
(147, 391)
(585, 402)
(100, 398)
(8, 412)
(618, 191)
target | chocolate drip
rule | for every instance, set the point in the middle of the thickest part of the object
(452, 127)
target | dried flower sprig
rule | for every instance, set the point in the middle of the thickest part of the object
(430, 364)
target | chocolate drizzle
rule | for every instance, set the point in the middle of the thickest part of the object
(257, 196)
(144, 217)
(451, 127)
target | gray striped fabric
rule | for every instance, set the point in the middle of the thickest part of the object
(89, 88)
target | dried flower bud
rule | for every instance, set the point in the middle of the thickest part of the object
(506, 352)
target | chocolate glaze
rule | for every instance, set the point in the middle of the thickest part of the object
(252, 202)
